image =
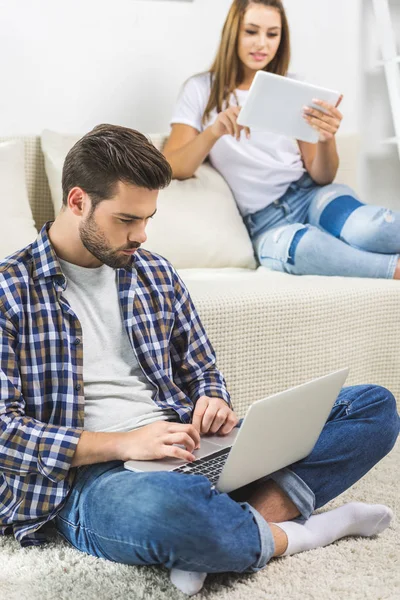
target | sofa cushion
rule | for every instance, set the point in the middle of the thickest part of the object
(55, 148)
(197, 225)
(17, 227)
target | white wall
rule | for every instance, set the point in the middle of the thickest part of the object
(71, 65)
(380, 166)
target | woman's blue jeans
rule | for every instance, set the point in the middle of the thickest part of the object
(325, 230)
(182, 521)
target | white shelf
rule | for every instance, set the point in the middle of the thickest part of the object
(391, 58)
(393, 140)
(382, 63)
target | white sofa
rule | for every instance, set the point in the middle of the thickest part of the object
(270, 330)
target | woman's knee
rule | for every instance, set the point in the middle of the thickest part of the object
(276, 248)
(331, 207)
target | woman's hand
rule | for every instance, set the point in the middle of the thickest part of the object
(226, 123)
(327, 124)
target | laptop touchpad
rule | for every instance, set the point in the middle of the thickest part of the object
(213, 443)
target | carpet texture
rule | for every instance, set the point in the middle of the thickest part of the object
(350, 569)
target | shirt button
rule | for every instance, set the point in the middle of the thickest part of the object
(78, 387)
(77, 342)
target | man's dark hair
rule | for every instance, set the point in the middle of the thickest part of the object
(109, 154)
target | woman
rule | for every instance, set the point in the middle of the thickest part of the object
(298, 220)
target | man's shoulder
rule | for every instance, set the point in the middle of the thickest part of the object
(16, 267)
(15, 275)
(150, 262)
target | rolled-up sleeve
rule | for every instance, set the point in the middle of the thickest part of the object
(191, 103)
(193, 356)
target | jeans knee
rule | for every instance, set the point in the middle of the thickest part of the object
(393, 419)
(277, 247)
(331, 207)
(174, 495)
(387, 418)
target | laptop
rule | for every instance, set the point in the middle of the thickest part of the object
(276, 432)
(275, 104)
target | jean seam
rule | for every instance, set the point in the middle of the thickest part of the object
(393, 265)
(68, 522)
(263, 530)
(147, 548)
(192, 562)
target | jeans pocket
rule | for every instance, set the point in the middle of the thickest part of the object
(305, 182)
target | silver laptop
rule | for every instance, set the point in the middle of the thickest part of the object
(276, 432)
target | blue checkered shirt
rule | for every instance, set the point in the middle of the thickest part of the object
(41, 372)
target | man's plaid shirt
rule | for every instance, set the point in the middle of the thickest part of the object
(41, 372)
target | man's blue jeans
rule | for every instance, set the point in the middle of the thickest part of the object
(325, 230)
(181, 521)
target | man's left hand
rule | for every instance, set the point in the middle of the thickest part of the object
(213, 415)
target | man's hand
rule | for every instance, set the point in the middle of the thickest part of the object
(161, 439)
(213, 415)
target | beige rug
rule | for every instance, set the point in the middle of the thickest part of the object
(351, 569)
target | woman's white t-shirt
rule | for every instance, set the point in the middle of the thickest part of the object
(258, 170)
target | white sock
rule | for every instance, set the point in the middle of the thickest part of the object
(320, 530)
(189, 582)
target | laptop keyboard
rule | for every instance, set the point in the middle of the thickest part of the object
(210, 466)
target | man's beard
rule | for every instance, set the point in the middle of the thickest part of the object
(95, 241)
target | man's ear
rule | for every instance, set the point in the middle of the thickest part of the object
(76, 201)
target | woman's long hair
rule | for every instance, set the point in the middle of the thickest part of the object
(227, 69)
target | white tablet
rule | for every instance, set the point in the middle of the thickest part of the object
(275, 104)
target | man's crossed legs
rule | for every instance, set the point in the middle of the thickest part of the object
(182, 522)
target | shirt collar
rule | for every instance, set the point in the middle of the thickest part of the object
(45, 262)
(44, 259)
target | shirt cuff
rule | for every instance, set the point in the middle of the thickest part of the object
(56, 450)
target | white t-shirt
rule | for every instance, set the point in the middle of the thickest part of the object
(258, 170)
(118, 396)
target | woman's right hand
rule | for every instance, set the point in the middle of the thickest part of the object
(226, 123)
(157, 440)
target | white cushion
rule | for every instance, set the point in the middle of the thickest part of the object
(17, 227)
(55, 147)
(197, 224)
(349, 146)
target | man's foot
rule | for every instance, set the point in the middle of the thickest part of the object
(320, 530)
(189, 582)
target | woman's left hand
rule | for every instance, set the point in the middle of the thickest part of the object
(326, 123)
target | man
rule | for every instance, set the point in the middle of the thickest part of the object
(104, 359)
